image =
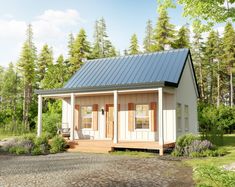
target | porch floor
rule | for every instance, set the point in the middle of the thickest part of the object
(105, 146)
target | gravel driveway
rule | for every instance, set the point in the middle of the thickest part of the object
(86, 169)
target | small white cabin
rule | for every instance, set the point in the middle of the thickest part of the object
(147, 98)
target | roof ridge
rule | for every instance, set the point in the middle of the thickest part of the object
(140, 54)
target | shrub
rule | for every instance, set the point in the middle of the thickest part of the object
(186, 140)
(58, 144)
(195, 154)
(10, 143)
(215, 153)
(28, 144)
(189, 145)
(214, 176)
(30, 137)
(36, 151)
(18, 150)
(47, 135)
(51, 121)
(21, 150)
(176, 152)
(41, 145)
(198, 146)
(182, 144)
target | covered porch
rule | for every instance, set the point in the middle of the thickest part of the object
(115, 141)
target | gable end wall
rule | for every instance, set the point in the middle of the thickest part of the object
(186, 94)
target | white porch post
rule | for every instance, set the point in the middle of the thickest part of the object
(160, 118)
(39, 130)
(72, 105)
(115, 102)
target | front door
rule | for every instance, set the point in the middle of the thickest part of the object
(109, 121)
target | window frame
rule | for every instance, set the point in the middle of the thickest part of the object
(179, 117)
(186, 117)
(148, 117)
(81, 117)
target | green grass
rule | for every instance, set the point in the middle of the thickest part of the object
(138, 154)
(229, 145)
(4, 136)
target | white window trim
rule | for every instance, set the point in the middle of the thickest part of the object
(86, 129)
(186, 117)
(179, 126)
(145, 129)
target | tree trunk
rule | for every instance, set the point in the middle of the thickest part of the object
(24, 106)
(218, 85)
(231, 87)
(201, 81)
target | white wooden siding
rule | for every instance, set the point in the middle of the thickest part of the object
(123, 100)
(168, 117)
(186, 95)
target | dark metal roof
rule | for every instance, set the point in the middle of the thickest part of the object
(144, 70)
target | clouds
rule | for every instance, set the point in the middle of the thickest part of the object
(51, 27)
(61, 18)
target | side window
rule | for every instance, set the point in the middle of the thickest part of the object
(186, 118)
(178, 117)
(86, 115)
(142, 117)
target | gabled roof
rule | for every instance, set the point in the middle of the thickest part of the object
(126, 72)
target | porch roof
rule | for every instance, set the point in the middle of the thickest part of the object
(149, 70)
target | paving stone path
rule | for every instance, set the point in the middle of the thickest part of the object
(83, 169)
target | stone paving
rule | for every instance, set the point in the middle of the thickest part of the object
(86, 169)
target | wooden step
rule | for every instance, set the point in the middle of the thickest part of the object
(97, 146)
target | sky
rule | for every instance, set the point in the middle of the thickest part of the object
(53, 20)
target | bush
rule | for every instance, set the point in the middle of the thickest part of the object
(36, 151)
(182, 144)
(30, 137)
(198, 146)
(195, 154)
(58, 144)
(214, 176)
(50, 123)
(41, 145)
(214, 121)
(189, 145)
(30, 144)
(19, 150)
(215, 153)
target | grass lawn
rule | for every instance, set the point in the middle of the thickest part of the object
(3, 136)
(229, 145)
(134, 153)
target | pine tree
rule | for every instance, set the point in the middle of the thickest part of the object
(1, 80)
(70, 46)
(164, 32)
(134, 47)
(56, 75)
(96, 51)
(45, 59)
(81, 51)
(9, 93)
(197, 51)
(229, 56)
(27, 69)
(102, 46)
(211, 58)
(182, 38)
(148, 40)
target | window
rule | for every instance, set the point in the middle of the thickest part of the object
(186, 116)
(86, 115)
(178, 117)
(142, 116)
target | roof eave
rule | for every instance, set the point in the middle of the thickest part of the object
(105, 88)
